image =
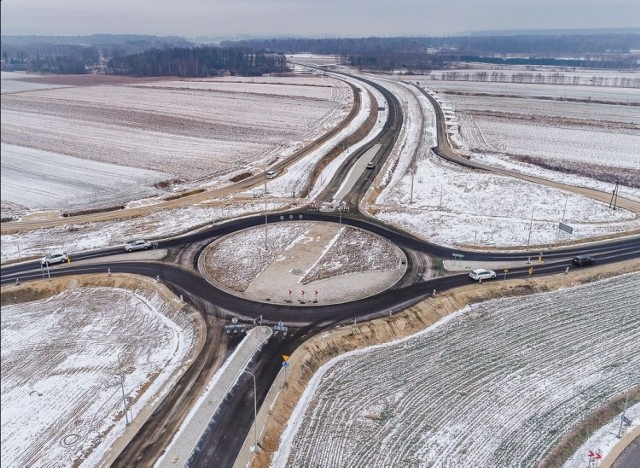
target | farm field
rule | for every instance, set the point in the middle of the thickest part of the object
(63, 361)
(62, 181)
(455, 206)
(588, 131)
(201, 134)
(496, 384)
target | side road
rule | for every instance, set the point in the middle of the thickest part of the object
(186, 440)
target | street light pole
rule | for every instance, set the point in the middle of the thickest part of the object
(255, 413)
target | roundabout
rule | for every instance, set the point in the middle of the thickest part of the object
(303, 263)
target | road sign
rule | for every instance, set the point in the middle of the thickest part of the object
(565, 227)
(285, 357)
(530, 271)
(285, 364)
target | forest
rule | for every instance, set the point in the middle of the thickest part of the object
(198, 62)
(427, 53)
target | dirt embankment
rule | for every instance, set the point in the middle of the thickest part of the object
(308, 358)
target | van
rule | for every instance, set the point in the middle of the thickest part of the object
(371, 165)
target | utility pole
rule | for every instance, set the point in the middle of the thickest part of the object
(124, 401)
(614, 197)
(530, 228)
(624, 411)
(265, 227)
(413, 173)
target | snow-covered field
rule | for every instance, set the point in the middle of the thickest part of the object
(497, 384)
(63, 360)
(587, 83)
(449, 205)
(43, 180)
(455, 206)
(16, 82)
(200, 130)
(77, 237)
(588, 131)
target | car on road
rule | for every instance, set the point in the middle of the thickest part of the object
(140, 244)
(371, 165)
(54, 257)
(482, 274)
(271, 174)
(583, 260)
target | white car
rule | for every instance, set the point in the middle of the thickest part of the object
(482, 274)
(140, 244)
(54, 257)
(271, 174)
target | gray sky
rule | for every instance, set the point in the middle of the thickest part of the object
(310, 18)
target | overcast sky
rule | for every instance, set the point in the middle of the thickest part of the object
(309, 18)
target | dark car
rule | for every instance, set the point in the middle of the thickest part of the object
(583, 260)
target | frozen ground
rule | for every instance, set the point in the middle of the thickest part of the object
(191, 131)
(449, 205)
(604, 439)
(16, 82)
(593, 132)
(159, 224)
(456, 207)
(40, 180)
(63, 360)
(497, 384)
(304, 261)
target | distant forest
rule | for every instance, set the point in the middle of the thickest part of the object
(161, 56)
(198, 62)
(427, 53)
(132, 55)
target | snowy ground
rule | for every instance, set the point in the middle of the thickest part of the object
(190, 131)
(604, 439)
(588, 131)
(42, 180)
(16, 82)
(455, 206)
(74, 238)
(497, 384)
(304, 261)
(449, 205)
(62, 359)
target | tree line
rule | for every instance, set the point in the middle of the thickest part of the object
(428, 53)
(198, 62)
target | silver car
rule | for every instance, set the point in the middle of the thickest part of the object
(54, 257)
(140, 244)
(482, 274)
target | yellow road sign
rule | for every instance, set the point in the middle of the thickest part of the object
(531, 271)
(285, 357)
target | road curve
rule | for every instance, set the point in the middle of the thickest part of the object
(446, 151)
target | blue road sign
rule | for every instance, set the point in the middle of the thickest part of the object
(285, 364)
